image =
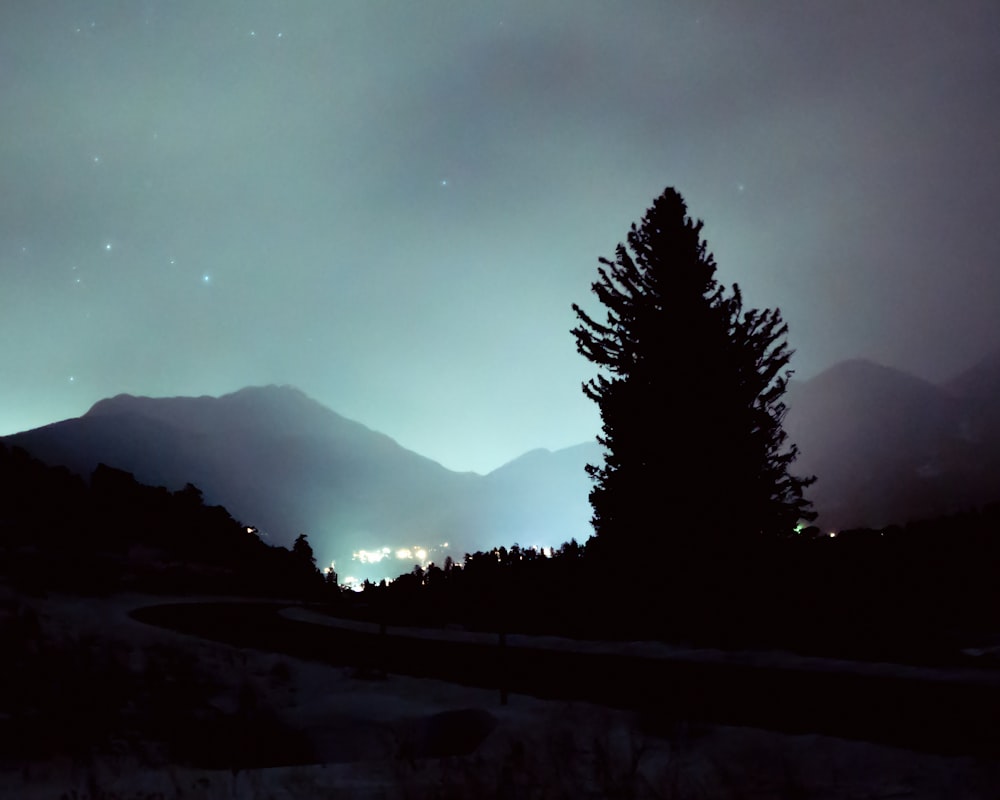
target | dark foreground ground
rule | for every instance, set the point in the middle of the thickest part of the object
(281, 701)
(946, 712)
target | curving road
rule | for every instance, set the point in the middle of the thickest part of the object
(947, 712)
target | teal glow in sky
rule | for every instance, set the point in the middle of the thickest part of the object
(392, 205)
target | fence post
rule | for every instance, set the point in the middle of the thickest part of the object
(502, 664)
(383, 644)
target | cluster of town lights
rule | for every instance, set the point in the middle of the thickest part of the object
(403, 554)
(414, 555)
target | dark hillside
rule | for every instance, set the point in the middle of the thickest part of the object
(886, 447)
(58, 532)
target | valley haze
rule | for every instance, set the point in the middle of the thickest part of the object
(283, 463)
(887, 448)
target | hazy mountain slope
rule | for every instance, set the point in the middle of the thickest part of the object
(981, 380)
(274, 457)
(545, 494)
(886, 446)
(283, 462)
(979, 389)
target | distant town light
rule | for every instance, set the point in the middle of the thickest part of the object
(370, 556)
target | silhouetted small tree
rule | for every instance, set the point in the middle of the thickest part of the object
(689, 389)
(303, 551)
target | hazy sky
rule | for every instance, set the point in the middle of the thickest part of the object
(392, 205)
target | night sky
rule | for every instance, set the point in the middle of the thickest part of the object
(392, 205)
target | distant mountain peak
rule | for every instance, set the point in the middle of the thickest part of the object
(865, 377)
(111, 405)
(981, 380)
(283, 398)
(268, 390)
(860, 367)
(125, 402)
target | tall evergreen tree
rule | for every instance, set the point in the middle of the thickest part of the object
(689, 389)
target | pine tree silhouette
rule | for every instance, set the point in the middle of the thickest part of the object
(689, 389)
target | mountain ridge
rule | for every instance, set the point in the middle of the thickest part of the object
(281, 461)
(886, 446)
(889, 447)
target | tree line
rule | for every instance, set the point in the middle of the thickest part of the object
(58, 531)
